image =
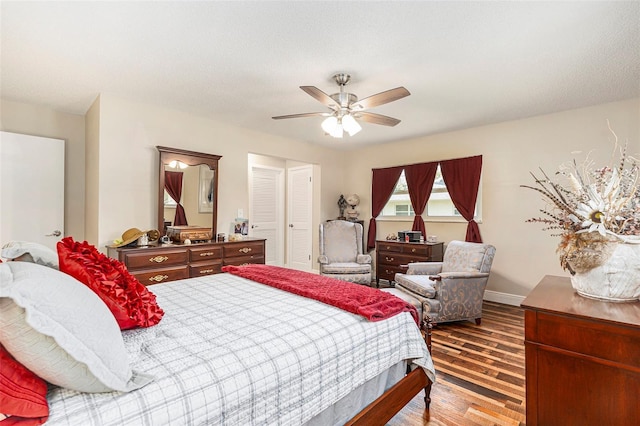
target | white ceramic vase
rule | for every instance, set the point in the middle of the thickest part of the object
(617, 279)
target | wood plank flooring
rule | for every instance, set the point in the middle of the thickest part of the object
(479, 373)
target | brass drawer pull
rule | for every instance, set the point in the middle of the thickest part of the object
(207, 271)
(389, 259)
(245, 250)
(159, 278)
(158, 259)
(413, 250)
(209, 253)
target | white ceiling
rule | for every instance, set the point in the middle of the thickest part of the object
(465, 63)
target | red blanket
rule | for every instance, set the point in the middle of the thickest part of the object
(371, 303)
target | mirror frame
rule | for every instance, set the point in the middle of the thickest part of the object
(190, 158)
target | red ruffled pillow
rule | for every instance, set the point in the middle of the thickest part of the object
(23, 395)
(130, 302)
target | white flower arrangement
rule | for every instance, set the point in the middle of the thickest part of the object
(594, 207)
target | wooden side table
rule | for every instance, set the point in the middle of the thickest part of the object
(391, 254)
(582, 358)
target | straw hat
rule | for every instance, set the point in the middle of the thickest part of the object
(132, 234)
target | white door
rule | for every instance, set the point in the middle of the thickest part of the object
(266, 210)
(31, 189)
(299, 211)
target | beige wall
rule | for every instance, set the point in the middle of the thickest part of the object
(38, 120)
(129, 133)
(510, 150)
(121, 170)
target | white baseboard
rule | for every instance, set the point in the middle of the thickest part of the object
(506, 298)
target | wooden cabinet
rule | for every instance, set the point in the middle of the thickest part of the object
(391, 254)
(582, 358)
(156, 264)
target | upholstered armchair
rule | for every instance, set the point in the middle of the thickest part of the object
(341, 253)
(451, 290)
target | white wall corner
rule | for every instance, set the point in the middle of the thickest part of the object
(506, 298)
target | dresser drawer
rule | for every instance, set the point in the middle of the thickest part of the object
(607, 342)
(205, 268)
(149, 259)
(417, 249)
(388, 272)
(244, 249)
(389, 247)
(244, 260)
(389, 258)
(204, 254)
(161, 275)
(405, 259)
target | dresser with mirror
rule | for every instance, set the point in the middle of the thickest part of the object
(160, 262)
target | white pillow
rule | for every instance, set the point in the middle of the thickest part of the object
(59, 328)
(30, 252)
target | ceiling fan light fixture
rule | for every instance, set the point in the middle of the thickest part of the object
(350, 125)
(329, 124)
(336, 127)
(337, 131)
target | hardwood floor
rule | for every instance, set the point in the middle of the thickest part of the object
(479, 373)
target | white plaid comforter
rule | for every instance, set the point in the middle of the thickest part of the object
(230, 351)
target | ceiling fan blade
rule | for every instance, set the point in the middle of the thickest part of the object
(321, 96)
(370, 117)
(381, 98)
(306, 114)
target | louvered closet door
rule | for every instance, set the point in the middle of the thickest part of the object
(299, 214)
(267, 211)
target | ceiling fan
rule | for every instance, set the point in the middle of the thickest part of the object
(346, 109)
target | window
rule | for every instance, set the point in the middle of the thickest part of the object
(439, 207)
(440, 204)
(399, 204)
(404, 210)
(168, 201)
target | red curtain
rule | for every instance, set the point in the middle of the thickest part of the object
(173, 185)
(382, 185)
(420, 179)
(462, 177)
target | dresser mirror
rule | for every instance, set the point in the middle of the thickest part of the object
(198, 192)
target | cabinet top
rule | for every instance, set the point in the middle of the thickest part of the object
(409, 243)
(155, 245)
(556, 295)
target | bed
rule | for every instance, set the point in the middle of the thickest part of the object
(232, 351)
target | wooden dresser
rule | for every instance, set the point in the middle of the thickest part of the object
(391, 254)
(168, 262)
(582, 358)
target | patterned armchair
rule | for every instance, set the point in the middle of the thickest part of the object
(341, 254)
(451, 290)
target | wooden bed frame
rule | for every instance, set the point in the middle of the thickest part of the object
(380, 411)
